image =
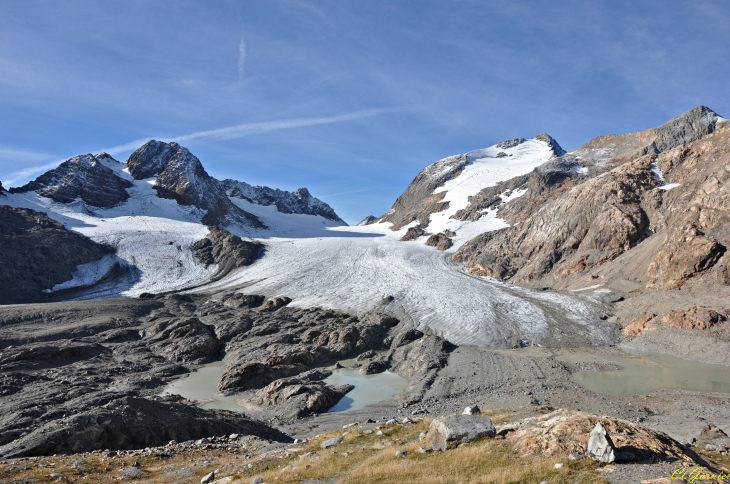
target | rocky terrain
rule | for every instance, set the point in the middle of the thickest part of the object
(570, 227)
(36, 253)
(635, 224)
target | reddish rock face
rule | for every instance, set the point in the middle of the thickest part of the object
(619, 215)
(695, 317)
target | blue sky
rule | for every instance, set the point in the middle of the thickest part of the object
(348, 98)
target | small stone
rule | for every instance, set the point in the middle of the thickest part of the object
(258, 480)
(401, 453)
(422, 436)
(712, 448)
(558, 465)
(473, 410)
(330, 442)
(379, 432)
(575, 457)
(423, 450)
(57, 475)
(208, 478)
(405, 420)
(392, 421)
(233, 437)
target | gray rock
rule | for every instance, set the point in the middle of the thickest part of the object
(298, 201)
(208, 478)
(366, 220)
(600, 445)
(306, 454)
(331, 442)
(575, 457)
(448, 432)
(131, 473)
(258, 480)
(226, 250)
(401, 453)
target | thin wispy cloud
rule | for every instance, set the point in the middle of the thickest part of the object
(241, 59)
(18, 155)
(248, 129)
(227, 133)
(333, 195)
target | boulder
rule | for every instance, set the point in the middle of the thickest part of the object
(440, 241)
(331, 442)
(276, 303)
(449, 432)
(563, 432)
(600, 445)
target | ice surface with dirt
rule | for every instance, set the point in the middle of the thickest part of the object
(358, 269)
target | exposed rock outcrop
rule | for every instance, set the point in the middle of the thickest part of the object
(440, 241)
(36, 253)
(256, 375)
(367, 220)
(299, 397)
(419, 199)
(226, 250)
(181, 339)
(86, 177)
(695, 317)
(133, 423)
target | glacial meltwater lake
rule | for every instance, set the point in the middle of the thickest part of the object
(202, 385)
(641, 374)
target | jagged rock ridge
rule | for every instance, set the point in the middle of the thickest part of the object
(299, 201)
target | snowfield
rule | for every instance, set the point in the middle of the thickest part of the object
(485, 170)
(151, 234)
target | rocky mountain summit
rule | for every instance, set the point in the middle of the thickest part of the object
(87, 177)
(181, 177)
